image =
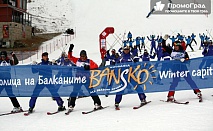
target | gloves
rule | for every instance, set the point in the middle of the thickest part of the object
(34, 63)
(71, 47)
(53, 61)
(86, 67)
(182, 59)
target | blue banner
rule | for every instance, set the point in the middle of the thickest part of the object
(153, 76)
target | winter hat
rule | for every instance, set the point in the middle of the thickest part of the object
(4, 53)
(83, 52)
(45, 54)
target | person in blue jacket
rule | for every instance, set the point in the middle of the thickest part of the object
(129, 36)
(116, 60)
(188, 42)
(64, 60)
(160, 39)
(120, 50)
(146, 58)
(165, 65)
(111, 57)
(126, 58)
(159, 51)
(39, 87)
(143, 42)
(173, 39)
(125, 42)
(205, 53)
(138, 42)
(193, 38)
(180, 37)
(209, 52)
(134, 51)
(131, 43)
(202, 38)
(153, 43)
(207, 38)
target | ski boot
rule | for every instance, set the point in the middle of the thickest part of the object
(16, 109)
(61, 108)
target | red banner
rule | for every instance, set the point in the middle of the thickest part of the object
(5, 31)
(102, 40)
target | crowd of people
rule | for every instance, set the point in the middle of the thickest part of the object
(130, 52)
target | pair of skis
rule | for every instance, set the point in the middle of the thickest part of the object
(69, 111)
(10, 113)
(135, 107)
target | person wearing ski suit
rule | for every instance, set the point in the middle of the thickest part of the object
(87, 64)
(178, 54)
(125, 58)
(5, 75)
(39, 87)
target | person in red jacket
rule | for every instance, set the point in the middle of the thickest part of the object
(88, 64)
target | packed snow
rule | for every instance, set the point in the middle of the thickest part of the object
(90, 18)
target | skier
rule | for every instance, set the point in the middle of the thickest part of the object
(127, 57)
(137, 42)
(205, 53)
(111, 57)
(88, 64)
(159, 51)
(39, 87)
(64, 61)
(129, 36)
(180, 37)
(193, 38)
(146, 57)
(165, 66)
(202, 37)
(142, 42)
(208, 52)
(153, 43)
(179, 54)
(173, 39)
(125, 42)
(131, 43)
(189, 42)
(134, 51)
(5, 61)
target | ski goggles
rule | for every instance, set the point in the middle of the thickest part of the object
(177, 43)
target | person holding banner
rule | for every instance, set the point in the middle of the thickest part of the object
(87, 64)
(127, 57)
(179, 54)
(5, 61)
(44, 72)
